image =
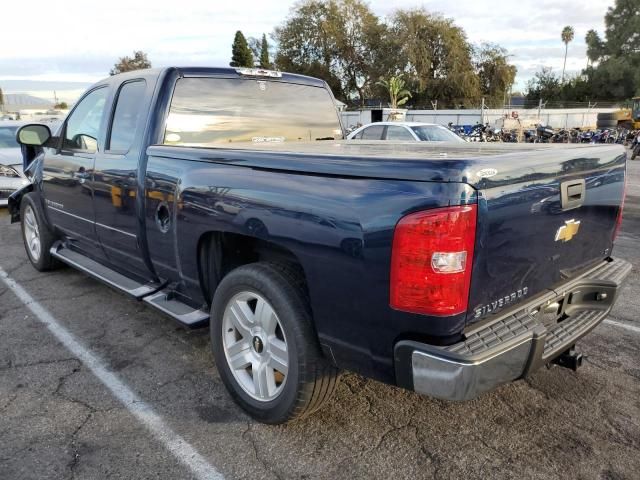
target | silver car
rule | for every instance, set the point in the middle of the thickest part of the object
(405, 132)
(11, 174)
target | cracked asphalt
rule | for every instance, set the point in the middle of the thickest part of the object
(58, 421)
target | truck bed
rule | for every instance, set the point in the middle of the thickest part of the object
(401, 160)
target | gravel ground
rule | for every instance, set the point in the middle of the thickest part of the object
(57, 420)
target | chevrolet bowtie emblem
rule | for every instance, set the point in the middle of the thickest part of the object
(568, 230)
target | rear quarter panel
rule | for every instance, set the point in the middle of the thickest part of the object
(340, 229)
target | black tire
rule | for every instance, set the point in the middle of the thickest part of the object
(607, 123)
(311, 379)
(608, 116)
(44, 261)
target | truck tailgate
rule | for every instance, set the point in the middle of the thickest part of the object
(543, 217)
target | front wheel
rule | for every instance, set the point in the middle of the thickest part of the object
(264, 344)
(36, 236)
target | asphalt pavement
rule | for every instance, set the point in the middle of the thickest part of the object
(138, 397)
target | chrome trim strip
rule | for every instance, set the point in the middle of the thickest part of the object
(91, 221)
(70, 214)
(116, 230)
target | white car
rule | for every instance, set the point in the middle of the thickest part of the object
(405, 132)
(11, 175)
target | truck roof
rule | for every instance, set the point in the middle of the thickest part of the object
(225, 72)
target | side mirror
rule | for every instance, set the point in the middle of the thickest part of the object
(34, 135)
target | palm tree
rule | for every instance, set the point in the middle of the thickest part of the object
(592, 39)
(567, 36)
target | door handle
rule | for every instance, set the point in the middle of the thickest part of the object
(572, 194)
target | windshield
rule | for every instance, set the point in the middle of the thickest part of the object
(206, 111)
(8, 137)
(435, 133)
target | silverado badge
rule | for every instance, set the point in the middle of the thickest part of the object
(568, 230)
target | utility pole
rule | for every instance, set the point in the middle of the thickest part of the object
(539, 108)
(482, 112)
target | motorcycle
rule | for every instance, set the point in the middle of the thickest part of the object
(635, 147)
(544, 134)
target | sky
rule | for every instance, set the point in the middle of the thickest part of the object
(66, 46)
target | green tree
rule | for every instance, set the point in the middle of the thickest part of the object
(614, 73)
(398, 94)
(306, 47)
(567, 37)
(495, 74)
(436, 57)
(241, 55)
(139, 61)
(622, 24)
(264, 53)
(545, 85)
(61, 106)
(1, 100)
(340, 40)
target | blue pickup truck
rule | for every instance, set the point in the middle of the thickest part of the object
(228, 197)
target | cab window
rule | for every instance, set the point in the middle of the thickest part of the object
(83, 125)
(126, 115)
(209, 111)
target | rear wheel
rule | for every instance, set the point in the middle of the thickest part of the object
(264, 344)
(36, 236)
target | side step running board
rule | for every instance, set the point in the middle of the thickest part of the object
(183, 313)
(101, 272)
(162, 300)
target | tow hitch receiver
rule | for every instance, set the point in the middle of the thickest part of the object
(569, 359)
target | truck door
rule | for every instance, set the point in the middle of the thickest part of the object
(116, 179)
(67, 172)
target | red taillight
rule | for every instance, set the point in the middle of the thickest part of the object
(431, 261)
(616, 230)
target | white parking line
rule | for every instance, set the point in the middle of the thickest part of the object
(183, 451)
(623, 325)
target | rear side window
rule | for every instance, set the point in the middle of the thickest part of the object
(436, 133)
(399, 133)
(211, 111)
(126, 115)
(373, 133)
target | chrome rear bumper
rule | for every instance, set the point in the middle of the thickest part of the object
(514, 345)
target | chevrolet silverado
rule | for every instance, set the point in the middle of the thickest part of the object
(227, 197)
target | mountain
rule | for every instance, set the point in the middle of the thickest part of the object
(20, 101)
